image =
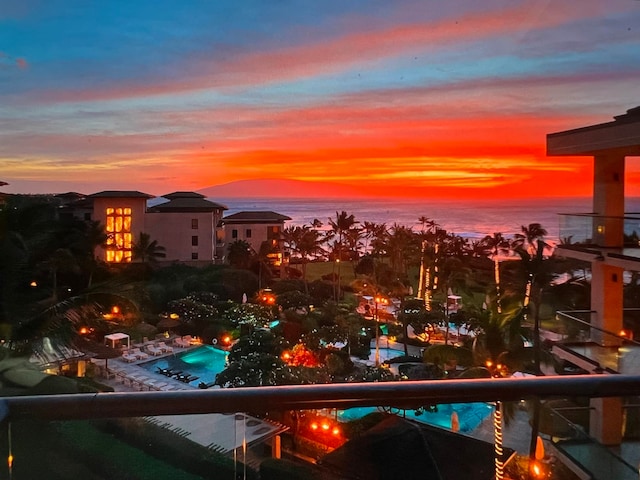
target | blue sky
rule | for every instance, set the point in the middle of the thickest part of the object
(424, 97)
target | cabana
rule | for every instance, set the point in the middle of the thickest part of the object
(115, 340)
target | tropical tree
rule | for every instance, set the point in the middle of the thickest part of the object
(529, 239)
(239, 254)
(402, 247)
(147, 250)
(497, 245)
(61, 260)
(340, 225)
(307, 243)
(94, 237)
(255, 360)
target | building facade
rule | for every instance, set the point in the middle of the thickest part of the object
(262, 230)
(609, 249)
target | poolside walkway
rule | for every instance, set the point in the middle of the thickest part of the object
(223, 433)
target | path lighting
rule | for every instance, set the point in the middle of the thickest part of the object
(497, 371)
(267, 297)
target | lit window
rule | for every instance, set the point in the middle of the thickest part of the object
(119, 236)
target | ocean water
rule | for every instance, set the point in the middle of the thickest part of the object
(468, 218)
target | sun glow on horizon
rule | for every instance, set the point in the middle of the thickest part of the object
(401, 100)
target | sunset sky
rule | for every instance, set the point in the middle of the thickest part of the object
(397, 98)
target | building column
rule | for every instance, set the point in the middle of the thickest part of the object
(605, 420)
(606, 301)
(276, 447)
(608, 200)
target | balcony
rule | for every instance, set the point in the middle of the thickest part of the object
(590, 230)
(112, 444)
(594, 350)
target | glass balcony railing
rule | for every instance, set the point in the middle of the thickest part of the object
(236, 433)
(567, 428)
(601, 231)
(595, 349)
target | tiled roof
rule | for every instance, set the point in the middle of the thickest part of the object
(255, 217)
(187, 204)
(173, 195)
(120, 194)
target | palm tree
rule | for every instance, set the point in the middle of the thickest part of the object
(401, 247)
(92, 237)
(306, 242)
(428, 225)
(239, 254)
(497, 244)
(342, 223)
(529, 239)
(147, 250)
(61, 260)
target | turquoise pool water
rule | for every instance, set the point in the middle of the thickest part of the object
(470, 415)
(204, 362)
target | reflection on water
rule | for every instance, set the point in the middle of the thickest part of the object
(470, 415)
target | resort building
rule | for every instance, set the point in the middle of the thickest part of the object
(123, 215)
(262, 230)
(186, 227)
(191, 228)
(606, 238)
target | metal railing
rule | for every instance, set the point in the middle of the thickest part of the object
(407, 395)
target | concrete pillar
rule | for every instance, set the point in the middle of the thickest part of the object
(606, 301)
(276, 447)
(82, 368)
(605, 422)
(608, 199)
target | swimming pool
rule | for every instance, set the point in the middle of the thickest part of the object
(204, 362)
(470, 415)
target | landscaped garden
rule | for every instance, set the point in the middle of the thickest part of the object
(354, 285)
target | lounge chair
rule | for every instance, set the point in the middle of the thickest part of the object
(129, 357)
(153, 350)
(179, 342)
(163, 347)
(139, 354)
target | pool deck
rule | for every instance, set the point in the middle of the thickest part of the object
(223, 433)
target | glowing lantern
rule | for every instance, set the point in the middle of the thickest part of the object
(336, 431)
(536, 470)
(115, 310)
(314, 426)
